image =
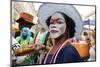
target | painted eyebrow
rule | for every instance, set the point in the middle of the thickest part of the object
(59, 19)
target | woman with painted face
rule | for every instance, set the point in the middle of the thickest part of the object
(63, 23)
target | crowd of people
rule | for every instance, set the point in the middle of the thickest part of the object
(55, 39)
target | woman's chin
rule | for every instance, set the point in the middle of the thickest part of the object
(55, 36)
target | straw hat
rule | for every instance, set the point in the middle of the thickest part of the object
(26, 17)
(46, 10)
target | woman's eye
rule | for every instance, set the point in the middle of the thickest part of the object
(60, 22)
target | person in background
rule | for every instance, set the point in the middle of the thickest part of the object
(85, 37)
(25, 20)
(25, 37)
(63, 22)
(41, 41)
(14, 46)
(92, 50)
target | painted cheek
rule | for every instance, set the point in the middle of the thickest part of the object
(62, 27)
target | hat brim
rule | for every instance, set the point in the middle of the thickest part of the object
(46, 10)
(25, 21)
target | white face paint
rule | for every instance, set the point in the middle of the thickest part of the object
(57, 25)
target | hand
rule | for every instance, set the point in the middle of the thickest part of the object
(39, 46)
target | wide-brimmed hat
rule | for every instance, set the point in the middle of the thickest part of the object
(46, 10)
(26, 17)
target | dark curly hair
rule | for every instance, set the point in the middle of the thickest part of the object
(69, 23)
